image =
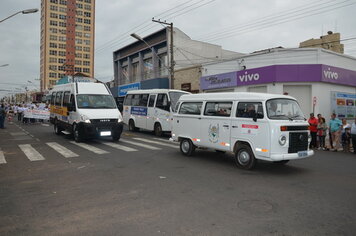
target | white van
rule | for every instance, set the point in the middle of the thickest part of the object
(151, 109)
(254, 126)
(86, 110)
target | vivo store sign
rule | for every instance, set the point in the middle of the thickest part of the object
(280, 73)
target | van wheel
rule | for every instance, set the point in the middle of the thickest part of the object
(283, 162)
(244, 157)
(132, 126)
(57, 130)
(187, 147)
(76, 134)
(158, 130)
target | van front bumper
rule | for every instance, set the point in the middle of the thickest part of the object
(290, 156)
(89, 130)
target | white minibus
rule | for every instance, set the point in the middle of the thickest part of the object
(253, 126)
(86, 110)
(150, 109)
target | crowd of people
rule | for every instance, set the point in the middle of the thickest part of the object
(10, 111)
(340, 133)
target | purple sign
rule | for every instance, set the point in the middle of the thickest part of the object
(218, 81)
(281, 73)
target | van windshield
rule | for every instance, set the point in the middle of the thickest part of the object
(174, 97)
(284, 109)
(95, 101)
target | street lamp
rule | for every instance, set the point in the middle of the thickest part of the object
(149, 46)
(27, 11)
(4, 65)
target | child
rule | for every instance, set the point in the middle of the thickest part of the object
(322, 133)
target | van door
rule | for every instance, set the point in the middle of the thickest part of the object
(163, 111)
(244, 128)
(150, 111)
(140, 111)
(72, 110)
(216, 125)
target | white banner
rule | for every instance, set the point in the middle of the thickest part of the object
(37, 114)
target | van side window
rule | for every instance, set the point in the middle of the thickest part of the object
(128, 100)
(66, 98)
(218, 109)
(53, 98)
(143, 100)
(249, 110)
(162, 101)
(135, 100)
(191, 108)
(59, 98)
(152, 101)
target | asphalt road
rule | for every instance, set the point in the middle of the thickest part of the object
(154, 190)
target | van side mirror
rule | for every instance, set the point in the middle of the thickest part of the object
(257, 116)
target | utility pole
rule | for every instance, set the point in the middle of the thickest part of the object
(171, 50)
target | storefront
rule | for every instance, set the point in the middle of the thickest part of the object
(319, 88)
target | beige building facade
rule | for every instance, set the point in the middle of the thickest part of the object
(188, 79)
(331, 42)
(67, 39)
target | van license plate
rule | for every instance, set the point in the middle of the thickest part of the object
(302, 153)
(105, 133)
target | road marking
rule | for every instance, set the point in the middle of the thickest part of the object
(90, 148)
(31, 153)
(2, 158)
(62, 150)
(120, 147)
(164, 140)
(156, 142)
(140, 145)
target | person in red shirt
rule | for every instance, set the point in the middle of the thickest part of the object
(313, 127)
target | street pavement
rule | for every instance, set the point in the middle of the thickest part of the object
(143, 185)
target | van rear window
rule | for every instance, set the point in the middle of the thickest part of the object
(191, 108)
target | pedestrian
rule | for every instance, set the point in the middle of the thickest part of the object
(345, 135)
(19, 112)
(313, 127)
(2, 116)
(318, 116)
(322, 133)
(335, 129)
(353, 135)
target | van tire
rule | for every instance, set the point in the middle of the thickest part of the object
(57, 129)
(76, 134)
(244, 157)
(158, 130)
(132, 126)
(187, 147)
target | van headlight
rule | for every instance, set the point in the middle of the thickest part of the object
(119, 120)
(282, 140)
(85, 119)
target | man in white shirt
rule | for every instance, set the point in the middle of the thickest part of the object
(272, 111)
(353, 135)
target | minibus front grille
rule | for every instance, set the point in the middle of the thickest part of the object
(101, 121)
(298, 141)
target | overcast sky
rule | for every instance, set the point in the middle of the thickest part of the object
(237, 25)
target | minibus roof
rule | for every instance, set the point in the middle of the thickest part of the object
(144, 91)
(232, 96)
(83, 88)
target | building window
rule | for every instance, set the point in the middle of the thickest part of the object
(87, 14)
(62, 24)
(86, 63)
(52, 75)
(78, 62)
(53, 52)
(53, 15)
(86, 70)
(53, 22)
(53, 67)
(61, 60)
(54, 1)
(61, 68)
(61, 46)
(86, 56)
(62, 31)
(87, 1)
(53, 30)
(79, 5)
(78, 34)
(78, 41)
(62, 17)
(87, 42)
(62, 9)
(78, 48)
(79, 20)
(86, 49)
(63, 2)
(61, 75)
(53, 37)
(62, 38)
(87, 21)
(78, 69)
(53, 8)
(86, 28)
(52, 45)
(52, 60)
(78, 55)
(79, 27)
(87, 7)
(62, 53)
(86, 35)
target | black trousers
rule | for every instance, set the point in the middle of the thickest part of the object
(313, 141)
(353, 140)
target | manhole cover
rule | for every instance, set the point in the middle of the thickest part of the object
(255, 206)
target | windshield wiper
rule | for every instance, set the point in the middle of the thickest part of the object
(281, 116)
(295, 116)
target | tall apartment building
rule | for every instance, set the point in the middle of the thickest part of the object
(331, 41)
(67, 39)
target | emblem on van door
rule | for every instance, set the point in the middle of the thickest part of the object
(213, 133)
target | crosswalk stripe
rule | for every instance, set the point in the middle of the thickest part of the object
(31, 153)
(164, 140)
(90, 148)
(140, 144)
(2, 158)
(155, 142)
(120, 147)
(62, 150)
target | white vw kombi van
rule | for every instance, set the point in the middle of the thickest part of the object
(253, 126)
